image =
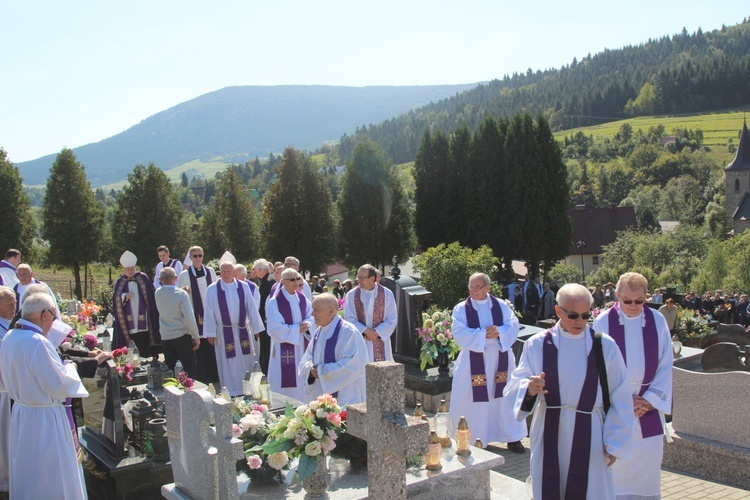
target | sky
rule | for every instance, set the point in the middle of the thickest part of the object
(79, 71)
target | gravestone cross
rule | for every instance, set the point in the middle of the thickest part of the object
(390, 434)
(203, 457)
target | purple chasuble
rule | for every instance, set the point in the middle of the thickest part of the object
(226, 321)
(476, 359)
(580, 453)
(195, 293)
(288, 358)
(650, 421)
(329, 356)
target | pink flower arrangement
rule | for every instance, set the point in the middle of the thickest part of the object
(436, 337)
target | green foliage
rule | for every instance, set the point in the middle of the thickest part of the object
(148, 214)
(727, 266)
(18, 222)
(373, 217)
(298, 215)
(73, 220)
(446, 270)
(565, 273)
(230, 224)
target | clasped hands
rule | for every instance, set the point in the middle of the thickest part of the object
(370, 334)
(491, 332)
(641, 406)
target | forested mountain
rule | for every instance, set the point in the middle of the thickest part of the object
(684, 73)
(240, 123)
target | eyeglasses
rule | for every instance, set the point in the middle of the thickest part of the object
(630, 302)
(476, 288)
(197, 256)
(52, 313)
(294, 279)
(575, 315)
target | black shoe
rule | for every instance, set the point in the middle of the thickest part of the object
(516, 447)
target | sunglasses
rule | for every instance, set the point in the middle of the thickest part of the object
(637, 302)
(197, 256)
(575, 315)
(294, 279)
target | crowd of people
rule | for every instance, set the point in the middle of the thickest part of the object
(598, 400)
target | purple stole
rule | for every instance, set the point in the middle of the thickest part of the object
(329, 356)
(650, 421)
(18, 295)
(288, 359)
(476, 359)
(7, 265)
(68, 405)
(195, 292)
(580, 453)
(378, 313)
(2, 280)
(252, 286)
(226, 321)
(274, 288)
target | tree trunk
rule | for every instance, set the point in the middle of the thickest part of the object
(77, 275)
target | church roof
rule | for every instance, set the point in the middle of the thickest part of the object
(742, 158)
(743, 209)
(598, 227)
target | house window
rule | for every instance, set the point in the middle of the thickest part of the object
(595, 258)
(736, 184)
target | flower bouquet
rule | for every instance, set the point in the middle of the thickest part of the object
(436, 337)
(182, 382)
(309, 432)
(251, 423)
(124, 369)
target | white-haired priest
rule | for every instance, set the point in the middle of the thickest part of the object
(45, 455)
(290, 323)
(334, 362)
(231, 320)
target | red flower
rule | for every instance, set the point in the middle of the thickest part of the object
(117, 353)
(343, 415)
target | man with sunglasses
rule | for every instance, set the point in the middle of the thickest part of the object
(642, 334)
(290, 325)
(573, 440)
(485, 328)
(39, 383)
(195, 280)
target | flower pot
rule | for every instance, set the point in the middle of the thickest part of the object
(443, 362)
(316, 486)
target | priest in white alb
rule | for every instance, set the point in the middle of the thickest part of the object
(231, 320)
(642, 334)
(289, 324)
(485, 328)
(7, 311)
(371, 307)
(334, 362)
(195, 280)
(45, 455)
(26, 279)
(575, 439)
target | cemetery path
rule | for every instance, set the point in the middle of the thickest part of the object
(674, 485)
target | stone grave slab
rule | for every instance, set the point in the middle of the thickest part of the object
(723, 357)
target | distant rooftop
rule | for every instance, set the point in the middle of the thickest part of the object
(742, 158)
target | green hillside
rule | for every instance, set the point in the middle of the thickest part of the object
(718, 129)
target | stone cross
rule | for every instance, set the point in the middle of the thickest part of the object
(390, 434)
(203, 457)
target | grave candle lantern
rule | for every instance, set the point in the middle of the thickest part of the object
(443, 425)
(433, 453)
(140, 414)
(463, 438)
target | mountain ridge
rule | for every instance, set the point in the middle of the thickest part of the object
(239, 123)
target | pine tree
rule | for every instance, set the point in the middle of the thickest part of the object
(430, 169)
(369, 208)
(18, 223)
(299, 215)
(454, 189)
(73, 220)
(556, 197)
(148, 214)
(486, 150)
(230, 224)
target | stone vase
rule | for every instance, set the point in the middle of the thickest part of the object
(443, 361)
(316, 486)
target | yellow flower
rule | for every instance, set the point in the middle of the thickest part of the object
(428, 324)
